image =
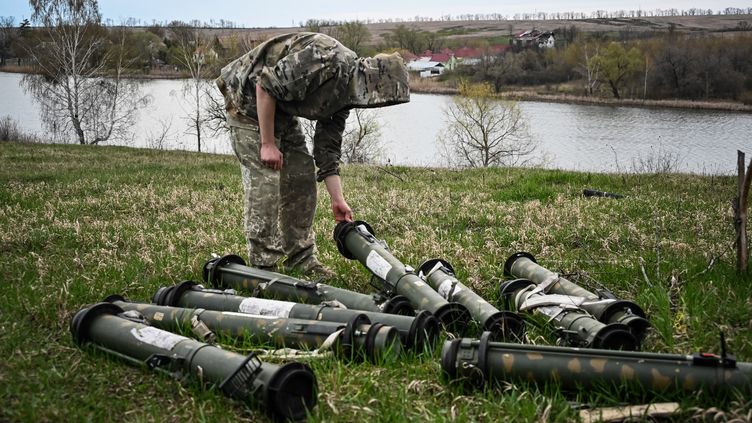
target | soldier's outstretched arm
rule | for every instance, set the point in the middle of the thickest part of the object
(340, 208)
(266, 106)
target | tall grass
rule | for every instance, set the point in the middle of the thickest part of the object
(79, 223)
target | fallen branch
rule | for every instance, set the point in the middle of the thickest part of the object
(385, 170)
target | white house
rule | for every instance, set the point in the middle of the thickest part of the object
(534, 37)
(425, 67)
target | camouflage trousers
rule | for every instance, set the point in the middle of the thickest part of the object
(278, 205)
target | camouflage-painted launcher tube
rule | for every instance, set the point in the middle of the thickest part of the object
(578, 327)
(607, 310)
(355, 240)
(418, 332)
(286, 392)
(230, 271)
(356, 339)
(481, 361)
(503, 325)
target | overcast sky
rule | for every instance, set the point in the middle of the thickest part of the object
(285, 13)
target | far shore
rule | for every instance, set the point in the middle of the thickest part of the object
(544, 94)
(516, 93)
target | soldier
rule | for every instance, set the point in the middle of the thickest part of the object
(298, 75)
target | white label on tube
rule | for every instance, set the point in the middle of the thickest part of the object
(262, 307)
(445, 289)
(157, 337)
(378, 265)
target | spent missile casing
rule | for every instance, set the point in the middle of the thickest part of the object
(286, 391)
(416, 332)
(503, 325)
(480, 361)
(607, 310)
(577, 327)
(230, 271)
(355, 339)
(356, 241)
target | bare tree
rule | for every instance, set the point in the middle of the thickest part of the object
(157, 139)
(583, 57)
(214, 116)
(483, 131)
(77, 96)
(361, 140)
(193, 51)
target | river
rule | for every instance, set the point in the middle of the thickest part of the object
(569, 136)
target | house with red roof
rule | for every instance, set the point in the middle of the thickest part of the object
(429, 63)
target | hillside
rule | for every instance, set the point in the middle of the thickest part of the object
(487, 29)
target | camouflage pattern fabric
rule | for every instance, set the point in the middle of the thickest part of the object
(313, 76)
(279, 205)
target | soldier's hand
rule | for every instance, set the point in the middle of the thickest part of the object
(271, 156)
(342, 211)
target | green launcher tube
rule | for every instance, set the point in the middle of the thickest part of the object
(606, 309)
(480, 361)
(503, 325)
(576, 326)
(230, 271)
(286, 392)
(418, 332)
(356, 339)
(356, 241)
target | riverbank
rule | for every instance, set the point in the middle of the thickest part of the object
(549, 95)
(433, 86)
(725, 106)
(79, 223)
(164, 73)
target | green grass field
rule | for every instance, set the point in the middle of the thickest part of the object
(81, 223)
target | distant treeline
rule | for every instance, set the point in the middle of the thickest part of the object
(543, 16)
(667, 66)
(540, 16)
(626, 64)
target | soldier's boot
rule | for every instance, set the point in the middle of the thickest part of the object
(319, 273)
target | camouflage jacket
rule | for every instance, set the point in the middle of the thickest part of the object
(308, 74)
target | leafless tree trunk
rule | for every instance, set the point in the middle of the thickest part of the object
(590, 68)
(744, 178)
(361, 142)
(483, 131)
(194, 54)
(157, 139)
(215, 117)
(75, 92)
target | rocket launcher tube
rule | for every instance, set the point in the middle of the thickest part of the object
(578, 327)
(481, 361)
(354, 339)
(415, 332)
(355, 240)
(607, 310)
(503, 325)
(286, 392)
(230, 271)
